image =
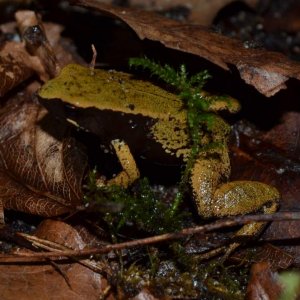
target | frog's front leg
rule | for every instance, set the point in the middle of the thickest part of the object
(130, 170)
(215, 197)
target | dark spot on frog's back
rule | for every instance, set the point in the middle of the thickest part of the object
(131, 106)
(68, 85)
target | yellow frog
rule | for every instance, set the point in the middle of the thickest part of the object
(142, 120)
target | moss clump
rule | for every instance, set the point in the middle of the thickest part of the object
(206, 128)
(138, 206)
(169, 269)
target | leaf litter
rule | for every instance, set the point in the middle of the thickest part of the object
(56, 179)
(266, 71)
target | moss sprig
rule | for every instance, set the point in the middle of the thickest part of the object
(138, 206)
(201, 118)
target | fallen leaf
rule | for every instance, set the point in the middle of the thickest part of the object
(199, 11)
(13, 69)
(266, 71)
(273, 157)
(65, 281)
(263, 283)
(17, 64)
(275, 256)
(41, 170)
(61, 233)
(37, 44)
(286, 134)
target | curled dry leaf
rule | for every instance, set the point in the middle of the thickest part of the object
(266, 71)
(53, 281)
(41, 171)
(17, 64)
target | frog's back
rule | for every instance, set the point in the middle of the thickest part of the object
(112, 90)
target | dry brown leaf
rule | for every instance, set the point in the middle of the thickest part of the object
(275, 256)
(263, 283)
(44, 282)
(37, 44)
(266, 71)
(61, 233)
(61, 281)
(17, 64)
(41, 171)
(273, 157)
(14, 67)
(199, 11)
(286, 134)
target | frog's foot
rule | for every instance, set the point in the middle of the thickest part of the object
(130, 170)
(251, 196)
(233, 198)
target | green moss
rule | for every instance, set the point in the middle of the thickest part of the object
(201, 107)
(186, 278)
(170, 270)
(139, 206)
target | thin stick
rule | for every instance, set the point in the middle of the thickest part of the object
(93, 61)
(66, 254)
(54, 247)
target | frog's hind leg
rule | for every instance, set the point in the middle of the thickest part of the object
(217, 199)
(130, 170)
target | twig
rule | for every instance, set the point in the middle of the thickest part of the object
(54, 247)
(93, 61)
(66, 254)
